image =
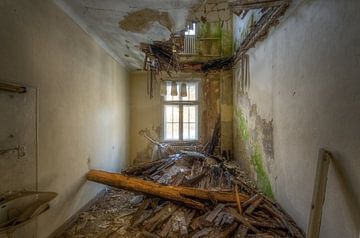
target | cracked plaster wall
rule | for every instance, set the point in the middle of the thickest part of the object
(304, 94)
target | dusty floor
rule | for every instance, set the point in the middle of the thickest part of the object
(108, 217)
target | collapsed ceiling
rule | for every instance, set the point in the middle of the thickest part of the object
(120, 26)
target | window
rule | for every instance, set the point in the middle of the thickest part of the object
(190, 43)
(181, 113)
(191, 30)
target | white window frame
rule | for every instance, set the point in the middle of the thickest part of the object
(181, 104)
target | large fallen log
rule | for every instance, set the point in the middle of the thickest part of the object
(184, 195)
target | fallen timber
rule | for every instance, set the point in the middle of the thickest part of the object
(244, 213)
(184, 195)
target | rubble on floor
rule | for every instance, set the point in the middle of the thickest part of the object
(109, 217)
(257, 216)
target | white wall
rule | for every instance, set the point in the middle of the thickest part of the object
(83, 102)
(306, 78)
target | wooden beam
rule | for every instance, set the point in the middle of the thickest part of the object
(184, 195)
(319, 191)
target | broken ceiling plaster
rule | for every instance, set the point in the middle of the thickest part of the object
(101, 19)
(142, 20)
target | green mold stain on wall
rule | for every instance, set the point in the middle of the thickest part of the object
(244, 132)
(215, 39)
(263, 181)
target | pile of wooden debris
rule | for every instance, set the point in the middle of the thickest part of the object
(192, 195)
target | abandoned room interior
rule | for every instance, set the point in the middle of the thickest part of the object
(180, 118)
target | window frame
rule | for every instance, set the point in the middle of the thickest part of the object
(181, 103)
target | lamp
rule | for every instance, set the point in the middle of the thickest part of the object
(174, 91)
(183, 90)
(163, 89)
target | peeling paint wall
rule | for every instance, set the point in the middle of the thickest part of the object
(304, 95)
(82, 107)
(253, 141)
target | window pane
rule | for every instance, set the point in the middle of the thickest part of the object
(171, 113)
(191, 89)
(192, 92)
(190, 113)
(186, 131)
(171, 122)
(168, 131)
(168, 113)
(193, 131)
(176, 131)
(185, 114)
(190, 122)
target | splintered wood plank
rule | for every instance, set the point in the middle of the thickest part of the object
(294, 230)
(242, 220)
(189, 217)
(238, 198)
(261, 235)
(215, 212)
(144, 166)
(254, 205)
(227, 232)
(319, 192)
(140, 211)
(241, 231)
(160, 217)
(182, 224)
(219, 218)
(166, 229)
(202, 233)
(250, 200)
(227, 219)
(178, 179)
(149, 234)
(184, 195)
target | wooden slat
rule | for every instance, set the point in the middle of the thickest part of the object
(319, 193)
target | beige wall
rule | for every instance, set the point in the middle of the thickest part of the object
(304, 93)
(83, 102)
(145, 114)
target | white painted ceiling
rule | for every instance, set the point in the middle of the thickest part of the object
(100, 19)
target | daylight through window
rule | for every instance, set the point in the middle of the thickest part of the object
(181, 113)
